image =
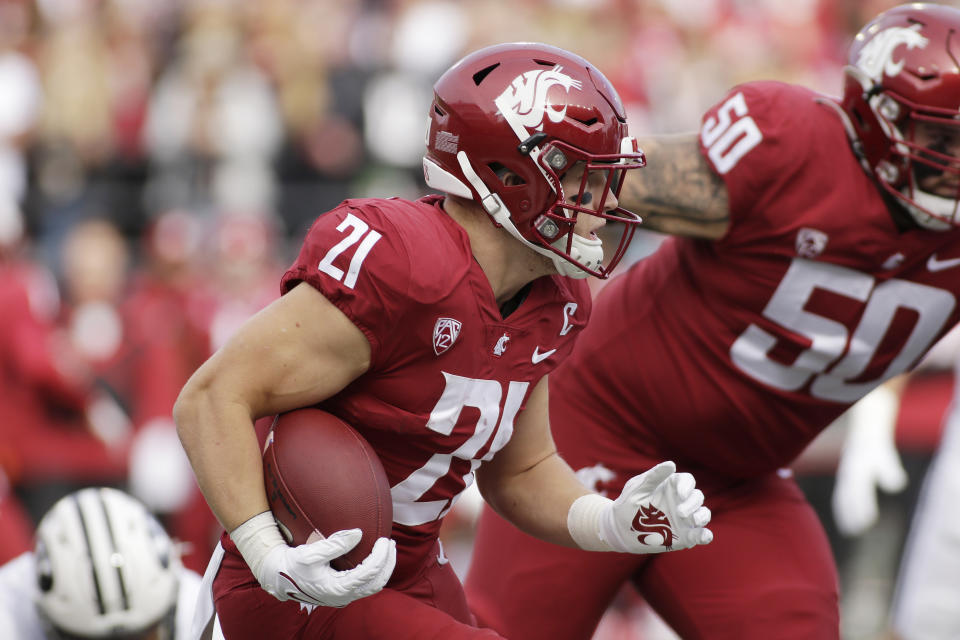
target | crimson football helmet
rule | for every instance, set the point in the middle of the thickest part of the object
(902, 94)
(532, 110)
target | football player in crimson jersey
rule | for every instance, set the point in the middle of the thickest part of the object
(430, 326)
(816, 254)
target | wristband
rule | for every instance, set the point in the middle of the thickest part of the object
(583, 521)
(255, 538)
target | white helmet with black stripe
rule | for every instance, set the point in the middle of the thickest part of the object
(105, 568)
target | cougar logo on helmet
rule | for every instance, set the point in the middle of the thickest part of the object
(876, 57)
(524, 103)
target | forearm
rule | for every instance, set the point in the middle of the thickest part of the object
(677, 193)
(537, 500)
(219, 439)
(275, 362)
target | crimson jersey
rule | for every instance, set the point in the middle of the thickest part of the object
(448, 374)
(730, 356)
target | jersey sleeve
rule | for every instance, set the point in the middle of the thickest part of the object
(353, 258)
(758, 139)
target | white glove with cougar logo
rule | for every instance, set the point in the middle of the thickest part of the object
(303, 573)
(658, 510)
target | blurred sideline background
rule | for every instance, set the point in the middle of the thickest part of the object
(160, 161)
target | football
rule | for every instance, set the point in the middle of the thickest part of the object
(321, 477)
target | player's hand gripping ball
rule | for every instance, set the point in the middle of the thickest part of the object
(321, 477)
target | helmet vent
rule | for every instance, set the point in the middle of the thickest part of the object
(479, 76)
(44, 567)
(589, 122)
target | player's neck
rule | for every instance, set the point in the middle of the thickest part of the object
(507, 263)
(899, 214)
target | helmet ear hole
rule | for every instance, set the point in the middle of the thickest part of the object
(44, 568)
(506, 177)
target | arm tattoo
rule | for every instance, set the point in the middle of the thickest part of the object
(677, 193)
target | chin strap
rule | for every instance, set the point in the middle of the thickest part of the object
(491, 202)
(855, 142)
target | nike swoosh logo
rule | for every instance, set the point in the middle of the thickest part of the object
(939, 265)
(538, 357)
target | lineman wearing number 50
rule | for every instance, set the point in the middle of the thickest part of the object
(430, 326)
(815, 256)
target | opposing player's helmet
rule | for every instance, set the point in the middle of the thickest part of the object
(533, 110)
(105, 568)
(903, 82)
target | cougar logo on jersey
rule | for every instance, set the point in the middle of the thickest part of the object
(811, 242)
(876, 57)
(445, 333)
(501, 345)
(650, 520)
(525, 102)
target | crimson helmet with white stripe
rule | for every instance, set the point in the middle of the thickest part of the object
(902, 96)
(532, 110)
(105, 567)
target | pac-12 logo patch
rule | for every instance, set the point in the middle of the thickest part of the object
(811, 242)
(445, 333)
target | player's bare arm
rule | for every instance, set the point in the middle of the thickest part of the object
(677, 193)
(297, 351)
(527, 482)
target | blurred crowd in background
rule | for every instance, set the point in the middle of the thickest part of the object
(161, 159)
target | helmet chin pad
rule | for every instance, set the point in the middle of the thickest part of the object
(934, 212)
(584, 251)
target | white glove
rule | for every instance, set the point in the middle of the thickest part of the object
(869, 461)
(303, 573)
(658, 510)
